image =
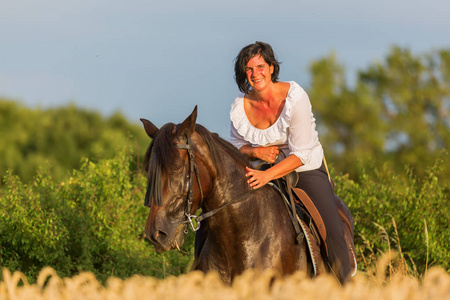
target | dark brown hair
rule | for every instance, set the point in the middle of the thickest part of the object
(258, 48)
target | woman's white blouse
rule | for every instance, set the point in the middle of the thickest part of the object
(294, 131)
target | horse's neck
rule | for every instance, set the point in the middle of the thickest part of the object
(230, 186)
(239, 231)
(242, 207)
(230, 189)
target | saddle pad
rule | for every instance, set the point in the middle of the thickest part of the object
(313, 247)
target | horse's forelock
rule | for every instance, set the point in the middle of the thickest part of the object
(160, 157)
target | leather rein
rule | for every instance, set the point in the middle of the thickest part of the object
(193, 169)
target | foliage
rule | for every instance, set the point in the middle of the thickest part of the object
(398, 111)
(60, 136)
(93, 220)
(384, 137)
(401, 213)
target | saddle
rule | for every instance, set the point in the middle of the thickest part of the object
(311, 222)
(302, 198)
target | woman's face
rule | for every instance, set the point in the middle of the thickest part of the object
(259, 73)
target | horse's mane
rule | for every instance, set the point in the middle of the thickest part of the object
(216, 143)
(162, 154)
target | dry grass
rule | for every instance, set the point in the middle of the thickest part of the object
(380, 283)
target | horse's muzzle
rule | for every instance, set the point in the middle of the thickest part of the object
(158, 239)
(165, 239)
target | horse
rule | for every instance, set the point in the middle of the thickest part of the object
(189, 168)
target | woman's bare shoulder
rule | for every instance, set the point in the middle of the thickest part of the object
(283, 89)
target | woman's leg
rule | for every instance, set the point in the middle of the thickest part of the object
(315, 183)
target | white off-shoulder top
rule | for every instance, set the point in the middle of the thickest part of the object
(294, 131)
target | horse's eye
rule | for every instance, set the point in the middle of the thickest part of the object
(177, 169)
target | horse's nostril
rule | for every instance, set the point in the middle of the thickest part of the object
(159, 236)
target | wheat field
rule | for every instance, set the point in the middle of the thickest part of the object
(435, 284)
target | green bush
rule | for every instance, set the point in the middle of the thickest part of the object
(31, 234)
(93, 220)
(400, 213)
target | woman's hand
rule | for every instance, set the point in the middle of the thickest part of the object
(268, 154)
(256, 178)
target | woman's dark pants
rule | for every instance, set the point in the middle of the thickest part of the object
(316, 184)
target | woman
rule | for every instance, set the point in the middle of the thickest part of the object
(269, 115)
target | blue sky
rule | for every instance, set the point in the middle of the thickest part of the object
(158, 59)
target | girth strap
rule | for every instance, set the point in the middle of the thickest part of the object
(290, 207)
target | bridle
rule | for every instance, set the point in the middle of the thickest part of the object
(193, 169)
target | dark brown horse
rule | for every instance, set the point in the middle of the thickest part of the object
(189, 169)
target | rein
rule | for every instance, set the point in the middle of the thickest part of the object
(193, 168)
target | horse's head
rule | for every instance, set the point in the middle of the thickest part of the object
(173, 192)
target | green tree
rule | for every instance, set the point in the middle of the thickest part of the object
(415, 95)
(61, 136)
(397, 111)
(349, 119)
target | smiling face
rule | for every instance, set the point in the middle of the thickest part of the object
(259, 73)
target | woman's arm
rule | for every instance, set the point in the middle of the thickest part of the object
(268, 154)
(258, 178)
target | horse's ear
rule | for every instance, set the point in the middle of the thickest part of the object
(151, 129)
(187, 128)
